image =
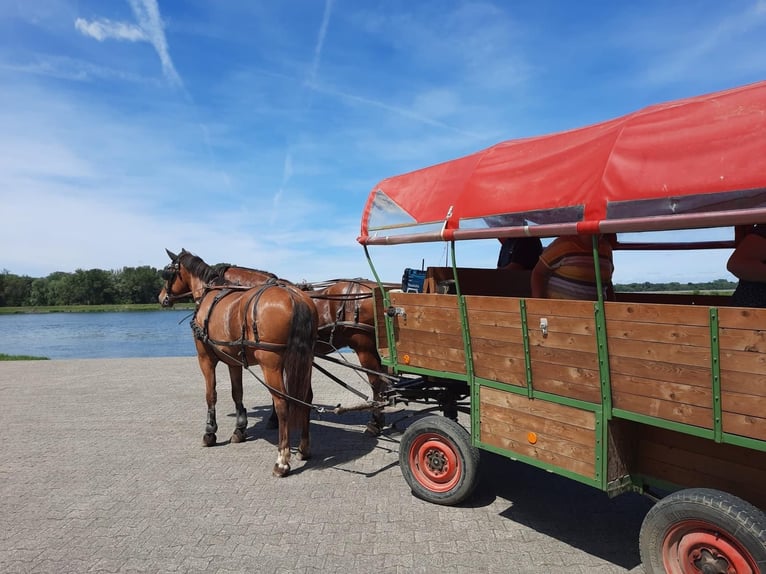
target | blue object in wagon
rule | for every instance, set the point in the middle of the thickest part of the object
(412, 280)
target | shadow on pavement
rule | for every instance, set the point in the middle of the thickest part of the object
(575, 513)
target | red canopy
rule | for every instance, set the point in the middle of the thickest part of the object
(688, 158)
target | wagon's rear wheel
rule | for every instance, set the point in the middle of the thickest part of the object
(702, 531)
(438, 461)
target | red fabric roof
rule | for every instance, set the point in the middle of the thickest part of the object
(707, 144)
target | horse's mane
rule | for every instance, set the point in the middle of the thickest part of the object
(223, 267)
(198, 268)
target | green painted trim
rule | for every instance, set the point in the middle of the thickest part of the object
(525, 341)
(604, 371)
(402, 368)
(662, 423)
(715, 368)
(743, 441)
(596, 483)
(467, 349)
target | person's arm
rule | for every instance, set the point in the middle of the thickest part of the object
(747, 260)
(539, 279)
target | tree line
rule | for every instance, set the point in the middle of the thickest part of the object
(143, 284)
(83, 287)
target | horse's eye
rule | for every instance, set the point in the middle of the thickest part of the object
(167, 274)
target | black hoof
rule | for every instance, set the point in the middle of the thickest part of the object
(280, 472)
(373, 429)
(209, 439)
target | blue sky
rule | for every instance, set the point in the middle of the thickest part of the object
(252, 131)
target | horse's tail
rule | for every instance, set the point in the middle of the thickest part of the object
(299, 358)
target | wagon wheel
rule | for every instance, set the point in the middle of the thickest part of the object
(702, 531)
(438, 461)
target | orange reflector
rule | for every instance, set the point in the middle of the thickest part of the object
(406, 359)
(532, 437)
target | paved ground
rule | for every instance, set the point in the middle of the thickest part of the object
(102, 470)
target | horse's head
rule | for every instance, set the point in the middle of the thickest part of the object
(175, 287)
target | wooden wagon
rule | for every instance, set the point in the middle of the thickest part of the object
(664, 394)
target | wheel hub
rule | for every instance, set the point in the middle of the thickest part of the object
(436, 461)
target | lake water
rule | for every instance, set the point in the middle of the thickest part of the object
(98, 335)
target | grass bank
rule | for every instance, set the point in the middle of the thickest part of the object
(4, 357)
(90, 308)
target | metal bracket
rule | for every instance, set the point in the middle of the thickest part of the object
(396, 311)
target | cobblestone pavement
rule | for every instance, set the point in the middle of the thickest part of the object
(103, 470)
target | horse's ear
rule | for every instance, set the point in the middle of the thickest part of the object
(172, 255)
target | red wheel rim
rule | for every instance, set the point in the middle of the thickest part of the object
(693, 544)
(435, 463)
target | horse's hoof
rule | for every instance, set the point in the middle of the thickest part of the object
(373, 429)
(303, 455)
(238, 436)
(281, 471)
(209, 439)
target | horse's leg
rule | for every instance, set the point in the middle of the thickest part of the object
(273, 377)
(369, 359)
(207, 366)
(235, 374)
(272, 422)
(304, 447)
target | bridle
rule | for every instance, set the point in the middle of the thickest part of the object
(169, 274)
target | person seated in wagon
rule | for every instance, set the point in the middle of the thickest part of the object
(519, 252)
(565, 269)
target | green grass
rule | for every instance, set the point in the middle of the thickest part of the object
(4, 357)
(90, 308)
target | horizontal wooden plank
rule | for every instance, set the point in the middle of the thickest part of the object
(743, 404)
(500, 348)
(741, 318)
(551, 442)
(661, 371)
(536, 407)
(746, 383)
(676, 354)
(672, 392)
(572, 382)
(666, 410)
(581, 467)
(564, 341)
(696, 336)
(434, 363)
(749, 340)
(501, 334)
(743, 361)
(509, 368)
(744, 425)
(415, 300)
(431, 344)
(566, 357)
(495, 319)
(431, 319)
(655, 313)
(506, 421)
(476, 303)
(560, 308)
(562, 325)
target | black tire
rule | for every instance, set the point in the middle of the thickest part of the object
(438, 461)
(700, 527)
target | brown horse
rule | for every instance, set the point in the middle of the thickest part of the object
(346, 319)
(273, 325)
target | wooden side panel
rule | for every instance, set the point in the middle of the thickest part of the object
(496, 339)
(428, 332)
(660, 361)
(742, 339)
(564, 437)
(690, 461)
(564, 358)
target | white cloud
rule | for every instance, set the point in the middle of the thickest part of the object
(150, 28)
(106, 29)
